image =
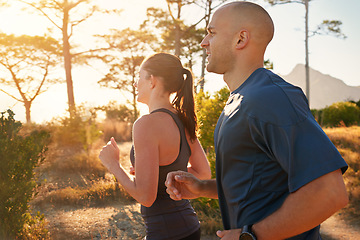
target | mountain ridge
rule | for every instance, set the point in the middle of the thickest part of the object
(324, 89)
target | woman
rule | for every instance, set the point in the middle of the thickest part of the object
(163, 141)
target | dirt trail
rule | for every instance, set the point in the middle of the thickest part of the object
(123, 221)
(336, 228)
(117, 221)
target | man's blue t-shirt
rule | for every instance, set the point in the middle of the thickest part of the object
(268, 145)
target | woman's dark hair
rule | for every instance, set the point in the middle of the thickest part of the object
(170, 69)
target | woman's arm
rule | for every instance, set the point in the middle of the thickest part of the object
(199, 165)
(143, 188)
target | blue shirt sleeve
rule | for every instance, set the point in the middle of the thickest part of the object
(303, 150)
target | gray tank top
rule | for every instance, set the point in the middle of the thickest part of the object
(166, 218)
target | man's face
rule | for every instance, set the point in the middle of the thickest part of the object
(218, 43)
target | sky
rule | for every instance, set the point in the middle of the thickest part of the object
(328, 54)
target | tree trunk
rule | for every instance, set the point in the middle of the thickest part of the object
(178, 31)
(307, 73)
(203, 62)
(27, 105)
(67, 62)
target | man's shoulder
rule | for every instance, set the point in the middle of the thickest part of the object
(271, 99)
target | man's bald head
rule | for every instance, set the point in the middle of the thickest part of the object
(249, 16)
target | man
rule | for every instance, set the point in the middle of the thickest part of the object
(278, 175)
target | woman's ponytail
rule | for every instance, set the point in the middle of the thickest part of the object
(185, 105)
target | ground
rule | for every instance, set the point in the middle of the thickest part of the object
(123, 221)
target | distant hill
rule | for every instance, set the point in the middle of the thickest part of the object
(324, 89)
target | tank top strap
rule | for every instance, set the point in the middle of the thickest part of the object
(179, 124)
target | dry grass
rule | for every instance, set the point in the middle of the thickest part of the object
(96, 193)
(73, 177)
(121, 131)
(347, 141)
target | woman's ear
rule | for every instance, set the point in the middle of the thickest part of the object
(243, 39)
(153, 81)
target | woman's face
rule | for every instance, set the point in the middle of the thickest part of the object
(143, 85)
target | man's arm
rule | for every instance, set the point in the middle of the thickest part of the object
(184, 185)
(305, 209)
(302, 210)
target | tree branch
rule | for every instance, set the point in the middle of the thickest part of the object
(17, 99)
(39, 9)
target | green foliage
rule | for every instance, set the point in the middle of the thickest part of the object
(19, 156)
(318, 115)
(208, 112)
(357, 103)
(35, 227)
(328, 27)
(341, 113)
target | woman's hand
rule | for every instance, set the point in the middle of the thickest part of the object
(109, 155)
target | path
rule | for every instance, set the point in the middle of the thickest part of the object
(335, 228)
(119, 221)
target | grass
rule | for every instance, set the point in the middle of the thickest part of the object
(347, 141)
(77, 178)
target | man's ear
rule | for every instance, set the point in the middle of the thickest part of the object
(243, 39)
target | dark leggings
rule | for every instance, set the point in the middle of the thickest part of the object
(194, 236)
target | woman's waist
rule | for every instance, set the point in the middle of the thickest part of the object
(164, 204)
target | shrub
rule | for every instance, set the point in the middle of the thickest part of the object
(208, 111)
(79, 131)
(318, 114)
(19, 156)
(341, 113)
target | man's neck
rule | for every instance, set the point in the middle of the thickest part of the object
(235, 79)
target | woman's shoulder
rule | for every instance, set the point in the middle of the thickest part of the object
(144, 121)
(153, 121)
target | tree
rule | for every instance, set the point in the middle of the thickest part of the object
(65, 15)
(174, 35)
(28, 61)
(208, 7)
(128, 49)
(325, 28)
(178, 26)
